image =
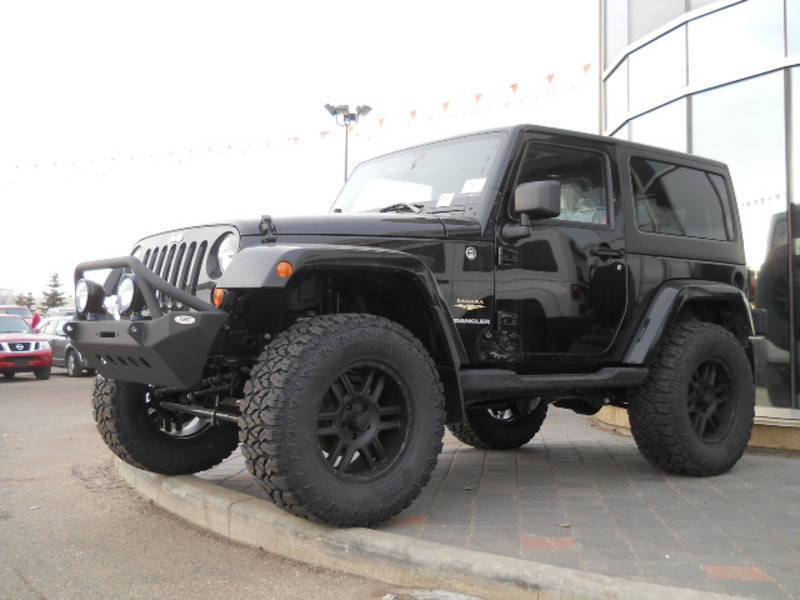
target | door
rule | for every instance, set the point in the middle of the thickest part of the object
(561, 288)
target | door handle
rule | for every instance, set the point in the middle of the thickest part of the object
(605, 252)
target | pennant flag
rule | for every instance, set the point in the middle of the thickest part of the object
(445, 106)
(513, 87)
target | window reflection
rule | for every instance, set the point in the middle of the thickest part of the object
(735, 41)
(793, 26)
(616, 34)
(664, 127)
(647, 15)
(658, 71)
(617, 96)
(754, 149)
(795, 168)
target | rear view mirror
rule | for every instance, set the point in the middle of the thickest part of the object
(538, 200)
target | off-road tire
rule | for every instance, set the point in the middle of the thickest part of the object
(73, 364)
(659, 408)
(483, 431)
(281, 409)
(119, 411)
(43, 373)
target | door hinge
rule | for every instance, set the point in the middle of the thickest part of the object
(507, 256)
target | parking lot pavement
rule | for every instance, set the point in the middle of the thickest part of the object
(582, 497)
(70, 528)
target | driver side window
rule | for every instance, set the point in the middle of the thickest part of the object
(581, 174)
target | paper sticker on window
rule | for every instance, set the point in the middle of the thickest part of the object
(473, 186)
(445, 199)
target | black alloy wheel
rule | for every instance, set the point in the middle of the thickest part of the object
(710, 402)
(503, 428)
(73, 368)
(362, 421)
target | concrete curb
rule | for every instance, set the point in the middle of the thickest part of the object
(380, 555)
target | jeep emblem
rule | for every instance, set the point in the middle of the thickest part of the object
(471, 253)
(185, 320)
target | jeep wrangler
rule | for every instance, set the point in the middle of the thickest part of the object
(473, 282)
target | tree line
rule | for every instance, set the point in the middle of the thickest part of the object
(53, 297)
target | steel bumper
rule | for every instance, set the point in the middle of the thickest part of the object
(168, 350)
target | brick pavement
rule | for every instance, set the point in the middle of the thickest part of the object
(579, 496)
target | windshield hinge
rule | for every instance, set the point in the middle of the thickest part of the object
(267, 228)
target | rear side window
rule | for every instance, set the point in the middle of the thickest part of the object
(676, 200)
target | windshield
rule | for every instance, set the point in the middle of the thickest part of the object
(17, 310)
(13, 325)
(447, 176)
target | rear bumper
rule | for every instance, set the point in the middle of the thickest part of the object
(27, 361)
(168, 350)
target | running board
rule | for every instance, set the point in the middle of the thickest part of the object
(487, 384)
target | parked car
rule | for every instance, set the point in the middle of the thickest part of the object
(20, 311)
(475, 282)
(22, 350)
(65, 354)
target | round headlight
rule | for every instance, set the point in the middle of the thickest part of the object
(126, 291)
(226, 250)
(81, 295)
(89, 297)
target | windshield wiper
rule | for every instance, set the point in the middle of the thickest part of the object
(402, 206)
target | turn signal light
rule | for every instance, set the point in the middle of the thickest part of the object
(284, 269)
(219, 296)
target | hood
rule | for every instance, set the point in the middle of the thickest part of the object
(21, 337)
(399, 225)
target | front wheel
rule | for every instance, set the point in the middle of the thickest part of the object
(694, 413)
(343, 418)
(43, 373)
(500, 429)
(142, 434)
(73, 365)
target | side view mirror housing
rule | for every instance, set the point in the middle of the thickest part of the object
(533, 200)
(538, 200)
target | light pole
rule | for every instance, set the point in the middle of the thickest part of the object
(344, 118)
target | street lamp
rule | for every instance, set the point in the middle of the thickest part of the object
(344, 118)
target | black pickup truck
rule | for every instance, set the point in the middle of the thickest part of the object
(472, 282)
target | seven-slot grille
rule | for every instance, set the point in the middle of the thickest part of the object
(178, 263)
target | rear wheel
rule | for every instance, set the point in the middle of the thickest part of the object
(142, 434)
(500, 429)
(342, 419)
(695, 412)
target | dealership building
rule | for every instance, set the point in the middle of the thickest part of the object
(721, 79)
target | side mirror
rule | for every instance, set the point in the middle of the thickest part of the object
(537, 200)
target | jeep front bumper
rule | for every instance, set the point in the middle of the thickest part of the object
(168, 350)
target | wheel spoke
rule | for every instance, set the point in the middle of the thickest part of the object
(344, 379)
(375, 446)
(388, 425)
(374, 391)
(329, 430)
(347, 458)
(388, 411)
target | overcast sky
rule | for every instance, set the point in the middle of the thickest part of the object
(122, 119)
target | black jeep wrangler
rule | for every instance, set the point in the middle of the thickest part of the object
(473, 282)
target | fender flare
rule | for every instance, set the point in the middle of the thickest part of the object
(667, 303)
(255, 267)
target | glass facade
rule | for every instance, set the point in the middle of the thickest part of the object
(724, 82)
